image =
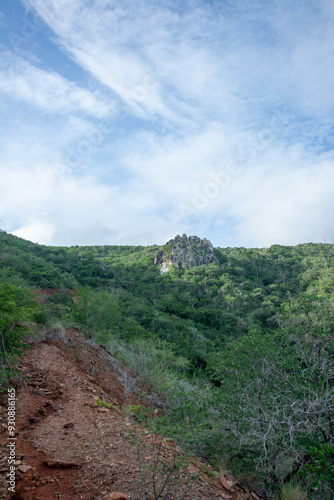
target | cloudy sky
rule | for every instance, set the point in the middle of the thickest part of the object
(129, 121)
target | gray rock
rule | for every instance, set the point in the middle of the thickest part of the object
(183, 252)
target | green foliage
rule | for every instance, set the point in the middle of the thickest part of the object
(104, 404)
(282, 388)
(141, 413)
(40, 317)
(96, 312)
(17, 308)
(318, 471)
(59, 306)
(154, 361)
(239, 354)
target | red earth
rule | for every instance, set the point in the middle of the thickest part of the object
(68, 446)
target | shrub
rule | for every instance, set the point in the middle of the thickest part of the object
(16, 310)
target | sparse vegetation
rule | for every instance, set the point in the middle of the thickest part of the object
(104, 404)
(165, 478)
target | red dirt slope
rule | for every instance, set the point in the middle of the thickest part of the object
(69, 447)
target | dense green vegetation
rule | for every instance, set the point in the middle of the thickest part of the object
(240, 354)
(17, 309)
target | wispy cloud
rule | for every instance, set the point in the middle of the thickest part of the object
(193, 63)
(47, 90)
(176, 95)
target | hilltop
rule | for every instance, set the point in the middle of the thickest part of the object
(183, 252)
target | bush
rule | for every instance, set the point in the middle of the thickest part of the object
(318, 472)
(59, 305)
(16, 310)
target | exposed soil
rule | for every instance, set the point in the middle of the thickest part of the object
(70, 447)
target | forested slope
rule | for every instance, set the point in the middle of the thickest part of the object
(239, 353)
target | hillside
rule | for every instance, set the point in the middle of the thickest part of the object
(234, 344)
(79, 437)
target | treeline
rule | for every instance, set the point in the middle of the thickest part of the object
(239, 354)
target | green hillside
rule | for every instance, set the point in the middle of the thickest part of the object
(239, 353)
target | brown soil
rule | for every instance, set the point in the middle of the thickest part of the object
(70, 447)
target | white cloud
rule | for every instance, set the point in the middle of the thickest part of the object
(281, 196)
(58, 210)
(196, 64)
(154, 58)
(48, 90)
(290, 206)
(250, 87)
(36, 232)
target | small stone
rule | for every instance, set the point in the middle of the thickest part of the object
(33, 420)
(40, 393)
(102, 410)
(79, 434)
(42, 410)
(68, 425)
(24, 468)
(228, 485)
(51, 463)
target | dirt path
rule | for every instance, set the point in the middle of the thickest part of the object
(70, 447)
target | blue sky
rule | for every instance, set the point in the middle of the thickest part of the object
(127, 122)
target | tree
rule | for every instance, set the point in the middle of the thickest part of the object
(97, 311)
(283, 393)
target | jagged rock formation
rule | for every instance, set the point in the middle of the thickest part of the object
(185, 252)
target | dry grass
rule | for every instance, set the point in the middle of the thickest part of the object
(292, 492)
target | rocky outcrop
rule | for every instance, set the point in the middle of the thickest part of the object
(185, 252)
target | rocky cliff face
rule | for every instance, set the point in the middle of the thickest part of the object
(185, 252)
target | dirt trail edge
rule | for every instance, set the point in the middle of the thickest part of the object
(70, 447)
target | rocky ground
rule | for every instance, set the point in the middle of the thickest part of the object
(68, 446)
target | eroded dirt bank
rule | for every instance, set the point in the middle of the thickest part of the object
(70, 447)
